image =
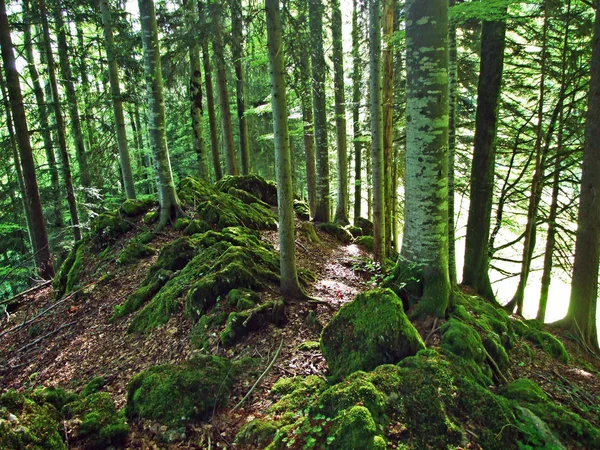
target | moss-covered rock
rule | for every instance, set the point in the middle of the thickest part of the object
(258, 433)
(245, 196)
(307, 230)
(496, 350)
(239, 324)
(108, 226)
(174, 256)
(355, 231)
(365, 225)
(143, 294)
(302, 209)
(181, 223)
(369, 331)
(253, 184)
(462, 340)
(175, 394)
(356, 429)
(366, 242)
(133, 252)
(196, 226)
(242, 299)
(337, 231)
(547, 342)
(136, 207)
(62, 276)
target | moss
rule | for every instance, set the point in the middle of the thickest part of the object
(77, 269)
(181, 223)
(356, 389)
(337, 231)
(242, 299)
(356, 429)
(245, 196)
(253, 184)
(239, 324)
(496, 350)
(302, 209)
(108, 226)
(307, 346)
(524, 390)
(143, 294)
(548, 343)
(98, 420)
(151, 217)
(174, 256)
(133, 207)
(365, 225)
(55, 396)
(175, 394)
(369, 331)
(308, 231)
(145, 237)
(93, 386)
(295, 394)
(462, 340)
(366, 242)
(257, 433)
(355, 231)
(60, 280)
(133, 252)
(195, 227)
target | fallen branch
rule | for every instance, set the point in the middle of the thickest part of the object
(31, 344)
(302, 246)
(15, 298)
(259, 378)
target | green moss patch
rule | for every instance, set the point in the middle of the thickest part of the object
(302, 209)
(239, 324)
(255, 185)
(109, 226)
(365, 225)
(371, 330)
(337, 231)
(548, 343)
(133, 252)
(136, 207)
(366, 242)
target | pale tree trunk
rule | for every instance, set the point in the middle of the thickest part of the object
(167, 196)
(238, 55)
(356, 100)
(144, 156)
(388, 112)
(60, 126)
(212, 120)
(552, 215)
(581, 316)
(309, 150)
(341, 210)
(377, 131)
(117, 101)
(476, 266)
(85, 87)
(196, 111)
(43, 258)
(72, 102)
(452, 77)
(285, 195)
(43, 117)
(425, 239)
(318, 66)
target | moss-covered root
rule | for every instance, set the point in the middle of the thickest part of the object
(307, 230)
(133, 252)
(239, 324)
(337, 231)
(174, 394)
(356, 429)
(371, 330)
(143, 294)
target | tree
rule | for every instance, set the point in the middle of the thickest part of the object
(285, 195)
(341, 211)
(476, 266)
(167, 196)
(356, 99)
(318, 66)
(425, 238)
(210, 105)
(43, 258)
(581, 317)
(377, 130)
(117, 101)
(387, 104)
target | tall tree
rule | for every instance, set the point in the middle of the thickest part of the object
(452, 91)
(117, 100)
(476, 266)
(377, 130)
(212, 118)
(425, 238)
(285, 195)
(387, 117)
(581, 317)
(341, 210)
(167, 196)
(318, 68)
(356, 100)
(43, 258)
(237, 50)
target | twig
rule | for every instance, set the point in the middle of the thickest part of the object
(302, 246)
(28, 291)
(44, 337)
(495, 367)
(433, 330)
(259, 378)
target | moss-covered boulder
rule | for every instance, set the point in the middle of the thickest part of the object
(174, 256)
(365, 225)
(302, 209)
(355, 231)
(133, 252)
(143, 294)
(136, 207)
(108, 226)
(175, 394)
(365, 242)
(253, 184)
(356, 428)
(239, 324)
(337, 231)
(548, 343)
(196, 226)
(462, 340)
(369, 331)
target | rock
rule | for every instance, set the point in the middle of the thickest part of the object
(365, 225)
(302, 209)
(254, 184)
(337, 231)
(135, 207)
(367, 332)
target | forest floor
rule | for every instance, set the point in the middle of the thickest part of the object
(69, 341)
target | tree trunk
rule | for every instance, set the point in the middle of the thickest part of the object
(318, 67)
(377, 131)
(581, 316)
(425, 239)
(117, 101)
(167, 196)
(388, 110)
(285, 195)
(309, 150)
(238, 55)
(341, 211)
(212, 120)
(452, 77)
(356, 100)
(60, 127)
(476, 266)
(43, 258)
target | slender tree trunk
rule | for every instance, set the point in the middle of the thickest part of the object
(117, 101)
(72, 102)
(212, 120)
(60, 127)
(377, 131)
(369, 161)
(85, 87)
(452, 76)
(167, 196)
(318, 66)
(341, 211)
(476, 266)
(309, 150)
(581, 316)
(43, 258)
(144, 157)
(356, 100)
(238, 55)
(285, 195)
(387, 111)
(223, 95)
(425, 239)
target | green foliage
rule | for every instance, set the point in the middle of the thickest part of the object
(94, 385)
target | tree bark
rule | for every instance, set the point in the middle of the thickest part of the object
(356, 100)
(452, 77)
(388, 110)
(212, 120)
(43, 258)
